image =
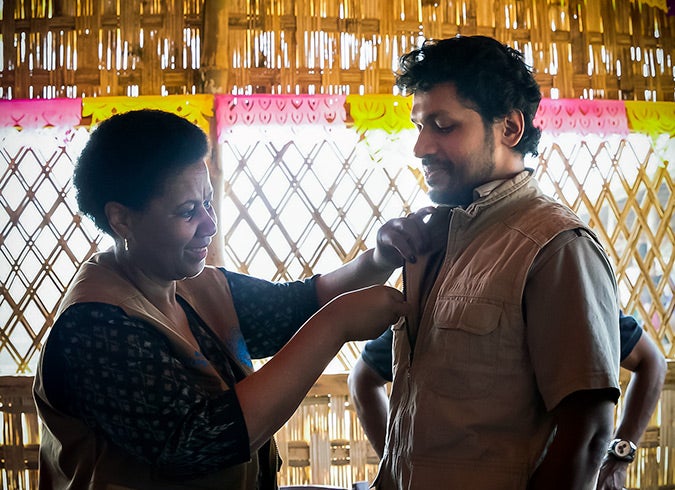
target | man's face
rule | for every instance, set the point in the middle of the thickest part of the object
(456, 150)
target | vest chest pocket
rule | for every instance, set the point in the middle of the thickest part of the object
(465, 337)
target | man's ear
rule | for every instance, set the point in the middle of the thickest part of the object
(514, 127)
(119, 218)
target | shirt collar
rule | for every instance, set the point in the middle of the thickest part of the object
(486, 189)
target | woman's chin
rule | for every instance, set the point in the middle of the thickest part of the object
(192, 269)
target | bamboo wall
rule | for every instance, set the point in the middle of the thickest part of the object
(594, 49)
(295, 199)
(615, 49)
(302, 184)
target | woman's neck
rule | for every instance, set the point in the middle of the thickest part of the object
(161, 293)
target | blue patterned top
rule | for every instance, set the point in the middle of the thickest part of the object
(119, 375)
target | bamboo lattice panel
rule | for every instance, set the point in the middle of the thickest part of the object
(42, 238)
(298, 201)
(615, 49)
(20, 436)
(295, 201)
(324, 443)
(624, 188)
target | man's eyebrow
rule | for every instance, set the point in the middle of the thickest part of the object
(431, 116)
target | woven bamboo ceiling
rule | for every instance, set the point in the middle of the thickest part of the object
(615, 49)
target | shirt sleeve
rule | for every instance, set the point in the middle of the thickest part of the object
(377, 354)
(120, 377)
(571, 314)
(630, 332)
(270, 313)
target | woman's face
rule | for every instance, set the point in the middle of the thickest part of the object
(170, 236)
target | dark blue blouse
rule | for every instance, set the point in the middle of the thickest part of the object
(120, 376)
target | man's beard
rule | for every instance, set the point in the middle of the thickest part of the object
(482, 172)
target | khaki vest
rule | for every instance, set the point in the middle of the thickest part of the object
(74, 457)
(486, 430)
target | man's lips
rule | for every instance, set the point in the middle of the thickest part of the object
(431, 166)
(430, 171)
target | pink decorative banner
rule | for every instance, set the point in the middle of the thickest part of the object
(266, 109)
(582, 116)
(579, 116)
(40, 113)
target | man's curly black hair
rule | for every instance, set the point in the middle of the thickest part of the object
(490, 77)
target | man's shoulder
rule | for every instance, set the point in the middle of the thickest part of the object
(541, 219)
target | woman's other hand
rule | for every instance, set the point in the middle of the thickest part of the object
(365, 313)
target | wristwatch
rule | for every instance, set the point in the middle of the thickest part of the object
(622, 449)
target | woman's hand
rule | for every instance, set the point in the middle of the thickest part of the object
(365, 313)
(398, 240)
(402, 239)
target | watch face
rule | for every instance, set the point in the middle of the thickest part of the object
(622, 448)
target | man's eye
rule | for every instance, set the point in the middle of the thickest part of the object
(188, 214)
(445, 129)
(208, 203)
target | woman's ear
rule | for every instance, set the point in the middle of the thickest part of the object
(119, 218)
(514, 127)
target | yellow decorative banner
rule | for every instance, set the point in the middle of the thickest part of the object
(388, 112)
(653, 118)
(197, 109)
(659, 4)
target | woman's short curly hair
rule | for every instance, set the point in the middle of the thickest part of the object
(129, 157)
(489, 76)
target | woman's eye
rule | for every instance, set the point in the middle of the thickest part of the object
(188, 214)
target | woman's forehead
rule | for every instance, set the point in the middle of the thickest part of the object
(191, 179)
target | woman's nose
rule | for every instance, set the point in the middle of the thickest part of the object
(209, 222)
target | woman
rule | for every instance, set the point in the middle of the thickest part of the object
(145, 381)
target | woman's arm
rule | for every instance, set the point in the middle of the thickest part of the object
(269, 396)
(398, 240)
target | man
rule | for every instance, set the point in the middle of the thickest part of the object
(639, 354)
(505, 372)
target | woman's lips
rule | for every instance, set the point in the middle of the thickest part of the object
(198, 253)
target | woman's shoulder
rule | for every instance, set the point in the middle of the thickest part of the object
(86, 312)
(92, 308)
(93, 321)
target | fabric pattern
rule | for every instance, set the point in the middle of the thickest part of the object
(119, 375)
